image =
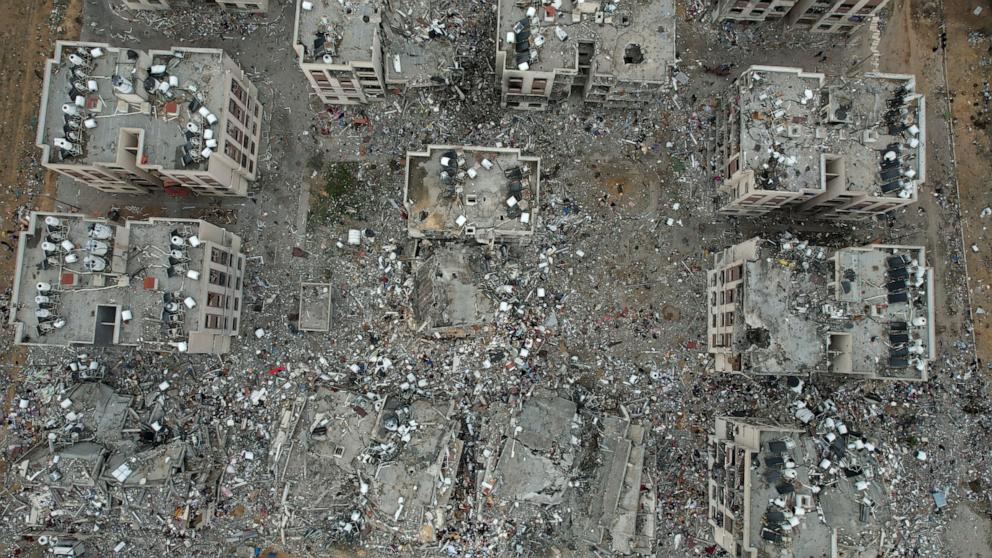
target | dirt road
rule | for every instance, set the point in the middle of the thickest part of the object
(32, 28)
(968, 75)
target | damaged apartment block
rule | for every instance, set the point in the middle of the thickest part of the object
(474, 195)
(819, 16)
(133, 121)
(778, 491)
(606, 54)
(108, 454)
(161, 284)
(581, 472)
(394, 461)
(351, 53)
(838, 149)
(790, 308)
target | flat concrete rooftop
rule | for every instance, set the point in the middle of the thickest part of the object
(865, 311)
(793, 122)
(810, 537)
(89, 302)
(344, 30)
(163, 118)
(417, 32)
(633, 40)
(501, 199)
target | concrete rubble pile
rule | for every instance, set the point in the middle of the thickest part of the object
(553, 396)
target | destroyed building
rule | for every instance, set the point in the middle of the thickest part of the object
(136, 121)
(353, 52)
(584, 481)
(606, 54)
(252, 6)
(450, 300)
(489, 194)
(819, 16)
(394, 461)
(774, 490)
(832, 149)
(315, 306)
(106, 453)
(791, 308)
(162, 284)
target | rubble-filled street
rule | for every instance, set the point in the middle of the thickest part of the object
(434, 323)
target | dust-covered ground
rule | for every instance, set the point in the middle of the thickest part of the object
(622, 324)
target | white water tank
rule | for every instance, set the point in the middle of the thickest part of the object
(100, 231)
(95, 264)
(43, 287)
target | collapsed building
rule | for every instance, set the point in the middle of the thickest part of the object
(394, 461)
(791, 308)
(107, 454)
(450, 300)
(253, 6)
(134, 121)
(162, 284)
(605, 53)
(778, 491)
(353, 52)
(551, 472)
(819, 16)
(838, 149)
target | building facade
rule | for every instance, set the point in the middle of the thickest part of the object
(790, 308)
(819, 16)
(135, 122)
(845, 150)
(604, 54)
(160, 284)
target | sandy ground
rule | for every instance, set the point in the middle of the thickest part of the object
(968, 73)
(22, 180)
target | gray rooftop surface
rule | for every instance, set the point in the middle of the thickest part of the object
(793, 302)
(406, 32)
(435, 207)
(145, 250)
(164, 136)
(785, 112)
(648, 24)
